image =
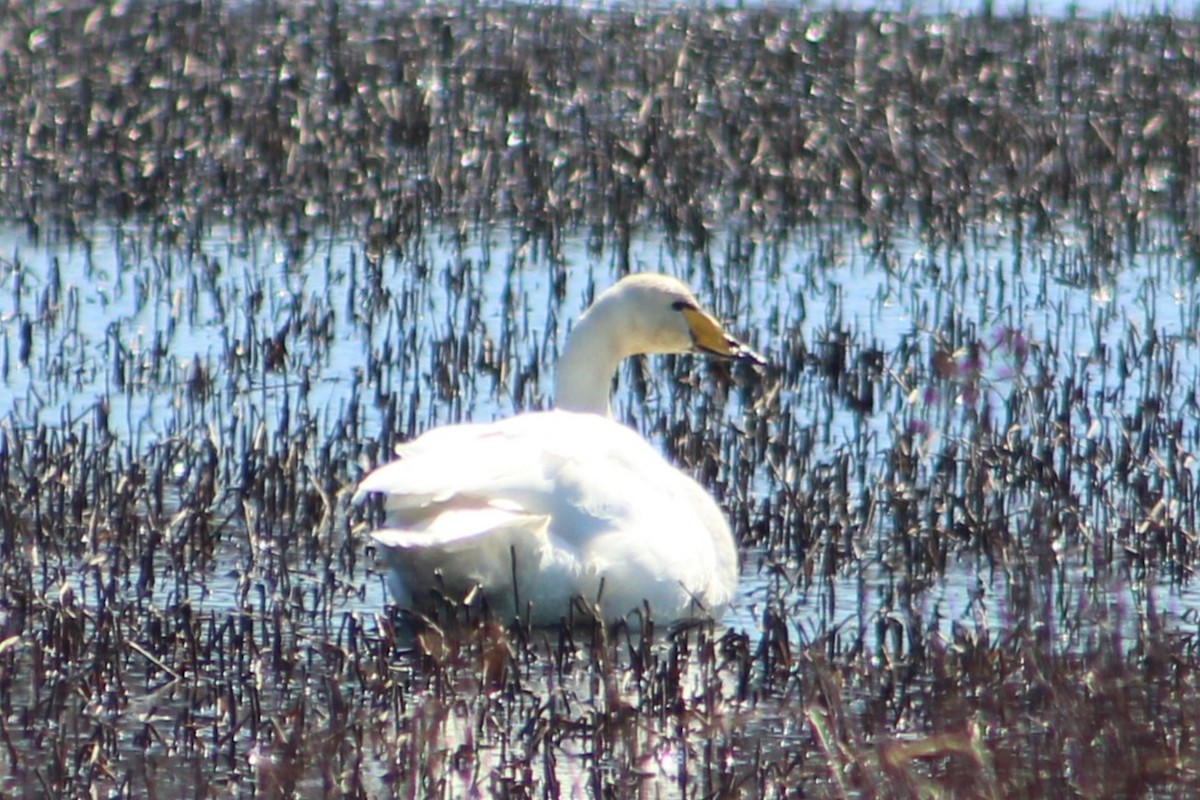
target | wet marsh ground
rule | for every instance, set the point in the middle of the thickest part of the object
(249, 247)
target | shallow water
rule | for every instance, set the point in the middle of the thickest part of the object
(199, 415)
(167, 315)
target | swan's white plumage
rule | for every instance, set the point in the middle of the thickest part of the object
(565, 504)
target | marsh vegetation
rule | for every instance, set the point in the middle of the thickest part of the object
(249, 247)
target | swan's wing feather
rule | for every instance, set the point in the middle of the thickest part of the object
(458, 527)
(457, 550)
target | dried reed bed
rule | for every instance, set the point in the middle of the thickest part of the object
(377, 116)
(985, 366)
(187, 606)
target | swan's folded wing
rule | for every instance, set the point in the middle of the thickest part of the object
(456, 551)
(477, 466)
(512, 463)
(451, 528)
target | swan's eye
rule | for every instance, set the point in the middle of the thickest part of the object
(682, 305)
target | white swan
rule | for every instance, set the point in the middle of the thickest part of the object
(543, 509)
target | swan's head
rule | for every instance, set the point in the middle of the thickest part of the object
(639, 314)
(658, 314)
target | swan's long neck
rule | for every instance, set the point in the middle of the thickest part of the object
(589, 361)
